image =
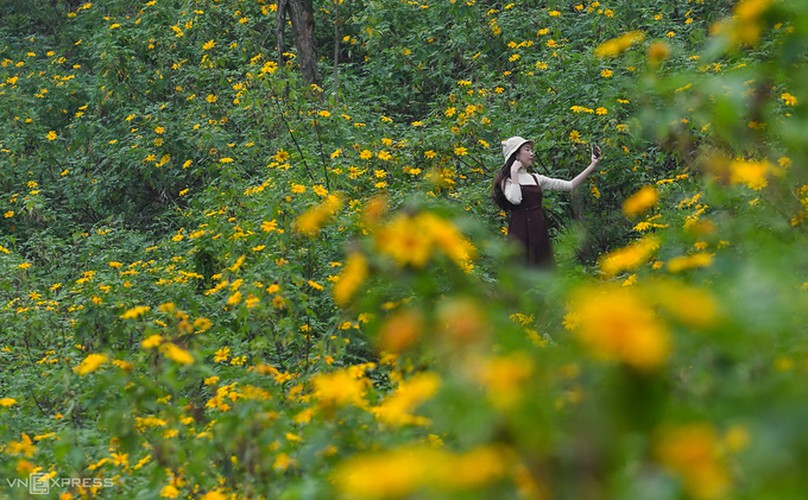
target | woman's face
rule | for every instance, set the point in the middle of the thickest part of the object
(525, 155)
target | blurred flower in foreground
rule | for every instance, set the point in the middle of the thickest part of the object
(693, 261)
(694, 307)
(401, 331)
(746, 24)
(693, 452)
(412, 240)
(617, 324)
(351, 278)
(462, 321)
(658, 52)
(152, 341)
(24, 446)
(340, 388)
(397, 408)
(177, 354)
(753, 174)
(750, 173)
(135, 312)
(404, 470)
(629, 257)
(616, 46)
(90, 364)
(310, 221)
(374, 209)
(640, 201)
(503, 378)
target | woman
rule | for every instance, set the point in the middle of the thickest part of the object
(519, 191)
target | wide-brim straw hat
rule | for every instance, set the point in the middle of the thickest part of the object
(512, 145)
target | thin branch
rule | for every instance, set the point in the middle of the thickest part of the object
(336, 51)
(294, 139)
(36, 402)
(322, 155)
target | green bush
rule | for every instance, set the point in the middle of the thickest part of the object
(221, 282)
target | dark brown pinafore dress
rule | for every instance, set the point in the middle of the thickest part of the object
(528, 226)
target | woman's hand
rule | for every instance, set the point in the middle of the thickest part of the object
(596, 155)
(515, 168)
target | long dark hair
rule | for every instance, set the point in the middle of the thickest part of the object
(497, 194)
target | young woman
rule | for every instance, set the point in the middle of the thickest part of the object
(519, 191)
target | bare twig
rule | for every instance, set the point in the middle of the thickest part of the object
(322, 155)
(294, 139)
(336, 51)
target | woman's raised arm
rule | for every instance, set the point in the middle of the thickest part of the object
(562, 185)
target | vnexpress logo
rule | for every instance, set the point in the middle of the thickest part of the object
(38, 483)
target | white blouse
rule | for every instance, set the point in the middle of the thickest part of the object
(513, 192)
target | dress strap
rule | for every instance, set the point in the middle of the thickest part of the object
(536, 179)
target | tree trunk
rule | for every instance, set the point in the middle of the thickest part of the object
(303, 24)
(302, 15)
(283, 6)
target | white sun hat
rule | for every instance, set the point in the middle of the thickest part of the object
(512, 145)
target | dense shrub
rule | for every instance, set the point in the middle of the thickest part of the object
(220, 282)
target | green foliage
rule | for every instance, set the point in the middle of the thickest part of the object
(219, 282)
